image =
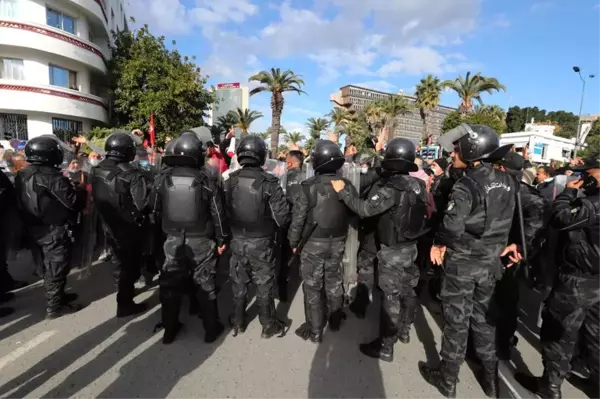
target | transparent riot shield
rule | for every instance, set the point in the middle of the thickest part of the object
(308, 170)
(277, 169)
(87, 231)
(349, 262)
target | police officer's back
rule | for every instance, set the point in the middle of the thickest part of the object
(189, 203)
(120, 192)
(49, 204)
(400, 202)
(256, 207)
(319, 215)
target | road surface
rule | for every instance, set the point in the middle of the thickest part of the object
(93, 354)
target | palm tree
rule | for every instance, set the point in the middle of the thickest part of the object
(316, 126)
(225, 122)
(428, 98)
(262, 135)
(373, 114)
(339, 117)
(277, 83)
(495, 111)
(393, 107)
(470, 88)
(244, 118)
(293, 138)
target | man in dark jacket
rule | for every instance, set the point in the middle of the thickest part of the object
(49, 205)
(319, 217)
(469, 243)
(120, 193)
(507, 290)
(574, 303)
(256, 208)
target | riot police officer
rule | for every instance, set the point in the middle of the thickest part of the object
(256, 207)
(400, 200)
(469, 242)
(190, 203)
(49, 205)
(573, 305)
(321, 220)
(120, 194)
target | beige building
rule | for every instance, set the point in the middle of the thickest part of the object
(409, 126)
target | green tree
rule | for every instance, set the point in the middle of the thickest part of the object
(391, 108)
(339, 117)
(147, 78)
(471, 87)
(263, 135)
(593, 142)
(357, 131)
(428, 98)
(481, 117)
(226, 122)
(244, 118)
(277, 83)
(293, 138)
(316, 126)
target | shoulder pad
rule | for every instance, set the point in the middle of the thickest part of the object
(269, 177)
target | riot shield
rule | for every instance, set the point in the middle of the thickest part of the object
(87, 232)
(277, 169)
(308, 170)
(351, 172)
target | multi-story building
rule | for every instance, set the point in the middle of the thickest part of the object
(53, 67)
(229, 96)
(410, 126)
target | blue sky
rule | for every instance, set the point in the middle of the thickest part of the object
(530, 46)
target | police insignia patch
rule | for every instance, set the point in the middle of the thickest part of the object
(450, 206)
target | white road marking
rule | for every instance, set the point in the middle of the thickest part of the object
(23, 349)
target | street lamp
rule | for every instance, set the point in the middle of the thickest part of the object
(577, 70)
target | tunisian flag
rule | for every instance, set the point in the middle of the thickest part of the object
(151, 131)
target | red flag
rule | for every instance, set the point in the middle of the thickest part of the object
(151, 131)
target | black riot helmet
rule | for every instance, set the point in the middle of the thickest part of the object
(252, 150)
(44, 150)
(121, 146)
(400, 156)
(327, 157)
(475, 143)
(186, 150)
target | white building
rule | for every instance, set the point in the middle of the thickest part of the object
(229, 96)
(53, 57)
(544, 146)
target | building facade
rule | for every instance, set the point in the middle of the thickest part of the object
(53, 67)
(409, 126)
(543, 145)
(229, 96)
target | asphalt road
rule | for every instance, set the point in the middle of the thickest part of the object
(93, 354)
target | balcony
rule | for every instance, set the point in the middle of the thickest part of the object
(96, 11)
(51, 40)
(18, 96)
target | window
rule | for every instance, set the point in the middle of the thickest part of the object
(13, 126)
(11, 68)
(63, 77)
(60, 20)
(9, 8)
(66, 129)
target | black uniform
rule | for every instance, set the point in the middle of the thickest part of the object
(317, 210)
(256, 208)
(573, 306)
(367, 251)
(401, 203)
(10, 219)
(120, 193)
(49, 205)
(190, 204)
(474, 231)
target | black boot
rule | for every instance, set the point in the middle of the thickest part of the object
(407, 318)
(130, 309)
(442, 378)
(540, 386)
(337, 316)
(271, 325)
(361, 302)
(238, 317)
(55, 297)
(69, 297)
(381, 348)
(304, 330)
(6, 312)
(170, 304)
(212, 326)
(489, 380)
(195, 308)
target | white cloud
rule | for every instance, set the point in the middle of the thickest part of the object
(541, 6)
(407, 36)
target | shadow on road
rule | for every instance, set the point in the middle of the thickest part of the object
(339, 369)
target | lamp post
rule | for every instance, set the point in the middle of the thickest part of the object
(577, 70)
